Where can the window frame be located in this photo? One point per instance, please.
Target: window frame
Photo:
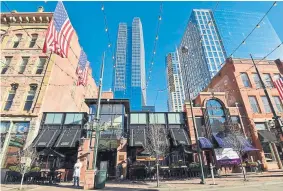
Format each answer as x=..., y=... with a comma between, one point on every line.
x=18, y=40
x=32, y=92
x=4, y=68
x=33, y=40
x=13, y=92
x=266, y=105
x=255, y=99
x=276, y=104
x=54, y=114
x=40, y=67
x=22, y=67
x=268, y=84
x=245, y=75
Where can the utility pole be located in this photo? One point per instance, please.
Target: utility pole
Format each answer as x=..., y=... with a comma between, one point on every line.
x=97, y=117
x=200, y=157
x=278, y=123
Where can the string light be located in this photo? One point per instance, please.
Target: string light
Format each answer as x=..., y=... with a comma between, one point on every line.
x=256, y=26
x=155, y=44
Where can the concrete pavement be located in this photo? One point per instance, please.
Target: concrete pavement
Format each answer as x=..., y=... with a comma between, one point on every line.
x=272, y=181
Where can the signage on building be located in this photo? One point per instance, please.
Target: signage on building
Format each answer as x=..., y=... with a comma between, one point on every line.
x=225, y=153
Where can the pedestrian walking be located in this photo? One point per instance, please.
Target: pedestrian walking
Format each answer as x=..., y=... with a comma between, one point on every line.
x=77, y=172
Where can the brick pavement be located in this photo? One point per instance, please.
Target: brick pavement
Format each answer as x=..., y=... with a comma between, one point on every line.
x=234, y=180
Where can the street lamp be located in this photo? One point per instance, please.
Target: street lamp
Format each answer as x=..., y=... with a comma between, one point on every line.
x=184, y=50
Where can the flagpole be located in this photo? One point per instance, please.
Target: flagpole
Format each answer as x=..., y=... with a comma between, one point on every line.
x=278, y=123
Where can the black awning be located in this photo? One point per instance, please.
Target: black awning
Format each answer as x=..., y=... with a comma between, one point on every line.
x=137, y=137
x=46, y=138
x=69, y=138
x=179, y=136
x=50, y=152
x=267, y=136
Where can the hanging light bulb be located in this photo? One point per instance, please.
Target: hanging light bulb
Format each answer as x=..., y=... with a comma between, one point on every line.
x=113, y=57
x=102, y=8
x=275, y=4
x=159, y=18
x=257, y=26
x=106, y=29
x=209, y=23
x=244, y=42
x=156, y=38
x=152, y=63
x=154, y=52
x=109, y=45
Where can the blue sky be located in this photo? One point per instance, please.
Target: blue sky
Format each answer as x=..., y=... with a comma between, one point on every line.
x=88, y=21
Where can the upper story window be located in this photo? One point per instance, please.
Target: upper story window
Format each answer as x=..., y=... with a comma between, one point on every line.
x=138, y=118
x=33, y=40
x=30, y=97
x=254, y=104
x=256, y=80
x=278, y=103
x=23, y=64
x=53, y=118
x=157, y=118
x=216, y=114
x=73, y=118
x=175, y=118
x=40, y=65
x=4, y=125
x=6, y=65
x=276, y=77
x=245, y=80
x=11, y=97
x=267, y=80
x=265, y=104
x=17, y=40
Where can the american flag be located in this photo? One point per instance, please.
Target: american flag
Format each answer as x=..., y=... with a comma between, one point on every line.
x=59, y=33
x=82, y=69
x=279, y=86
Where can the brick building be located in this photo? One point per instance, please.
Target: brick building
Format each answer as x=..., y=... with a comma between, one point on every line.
x=33, y=82
x=239, y=81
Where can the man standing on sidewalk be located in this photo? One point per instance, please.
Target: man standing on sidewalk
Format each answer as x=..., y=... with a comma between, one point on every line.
x=77, y=172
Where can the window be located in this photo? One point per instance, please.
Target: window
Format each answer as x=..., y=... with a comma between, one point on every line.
x=254, y=104
x=11, y=97
x=276, y=76
x=265, y=104
x=4, y=125
x=73, y=118
x=33, y=40
x=175, y=118
x=40, y=65
x=278, y=103
x=267, y=80
x=138, y=118
x=256, y=80
x=6, y=65
x=17, y=40
x=30, y=97
x=23, y=65
x=53, y=118
x=245, y=80
x=260, y=126
x=157, y=118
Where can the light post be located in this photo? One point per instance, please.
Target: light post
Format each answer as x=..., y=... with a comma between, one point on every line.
x=97, y=117
x=200, y=157
x=278, y=123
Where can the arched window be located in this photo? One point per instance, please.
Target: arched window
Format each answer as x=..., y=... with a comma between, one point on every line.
x=216, y=115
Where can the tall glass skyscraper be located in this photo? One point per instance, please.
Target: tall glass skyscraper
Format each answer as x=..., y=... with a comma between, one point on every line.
x=129, y=73
x=211, y=37
x=174, y=83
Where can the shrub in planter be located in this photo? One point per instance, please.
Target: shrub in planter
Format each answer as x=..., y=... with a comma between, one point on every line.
x=14, y=168
x=35, y=169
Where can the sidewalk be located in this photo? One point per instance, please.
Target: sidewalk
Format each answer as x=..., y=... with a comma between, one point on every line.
x=231, y=181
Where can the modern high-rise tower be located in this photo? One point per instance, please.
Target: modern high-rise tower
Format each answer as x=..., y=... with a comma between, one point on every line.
x=211, y=37
x=174, y=83
x=129, y=74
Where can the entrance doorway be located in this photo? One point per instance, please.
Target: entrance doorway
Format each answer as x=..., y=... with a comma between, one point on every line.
x=109, y=156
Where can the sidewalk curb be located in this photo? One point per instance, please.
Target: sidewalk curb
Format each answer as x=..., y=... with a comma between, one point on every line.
x=216, y=187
